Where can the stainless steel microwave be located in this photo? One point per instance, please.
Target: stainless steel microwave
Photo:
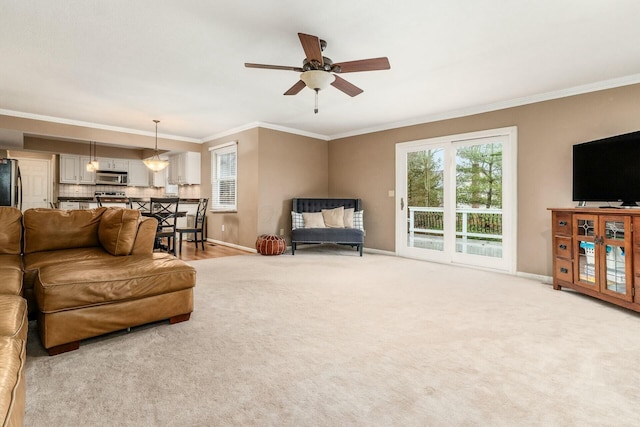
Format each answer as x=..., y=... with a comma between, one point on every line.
x=111, y=178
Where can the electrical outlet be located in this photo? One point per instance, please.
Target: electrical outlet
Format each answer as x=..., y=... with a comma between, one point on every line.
x=282, y=231
x=222, y=227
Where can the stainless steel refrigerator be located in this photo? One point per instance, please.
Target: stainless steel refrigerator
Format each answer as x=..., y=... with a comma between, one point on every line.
x=10, y=184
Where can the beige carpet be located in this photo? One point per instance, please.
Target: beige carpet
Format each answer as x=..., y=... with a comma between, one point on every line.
x=326, y=338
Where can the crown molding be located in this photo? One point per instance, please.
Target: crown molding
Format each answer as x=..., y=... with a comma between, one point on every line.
x=501, y=105
x=62, y=121
x=265, y=125
x=468, y=111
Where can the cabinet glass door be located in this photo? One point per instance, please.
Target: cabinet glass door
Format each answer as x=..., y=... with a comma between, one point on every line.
x=616, y=243
x=586, y=248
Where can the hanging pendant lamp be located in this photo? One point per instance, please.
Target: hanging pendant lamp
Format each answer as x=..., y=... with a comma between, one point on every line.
x=90, y=166
x=94, y=162
x=155, y=163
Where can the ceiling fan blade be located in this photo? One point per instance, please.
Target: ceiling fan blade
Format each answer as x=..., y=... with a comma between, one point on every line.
x=372, y=64
x=348, y=88
x=273, y=67
x=296, y=88
x=311, y=46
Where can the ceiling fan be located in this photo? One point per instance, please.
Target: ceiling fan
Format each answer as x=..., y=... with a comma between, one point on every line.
x=318, y=72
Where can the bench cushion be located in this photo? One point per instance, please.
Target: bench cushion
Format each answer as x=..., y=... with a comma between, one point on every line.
x=91, y=282
x=327, y=235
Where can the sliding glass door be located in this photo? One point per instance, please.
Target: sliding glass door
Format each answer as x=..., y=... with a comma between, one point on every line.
x=456, y=199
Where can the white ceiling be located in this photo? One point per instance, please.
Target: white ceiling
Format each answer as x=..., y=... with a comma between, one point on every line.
x=122, y=63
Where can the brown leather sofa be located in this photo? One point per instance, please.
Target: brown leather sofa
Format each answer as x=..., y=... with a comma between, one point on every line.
x=13, y=320
x=83, y=273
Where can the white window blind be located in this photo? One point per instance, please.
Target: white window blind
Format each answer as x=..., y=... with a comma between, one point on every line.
x=224, y=179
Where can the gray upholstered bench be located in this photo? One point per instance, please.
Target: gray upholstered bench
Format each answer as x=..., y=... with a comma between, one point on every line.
x=352, y=236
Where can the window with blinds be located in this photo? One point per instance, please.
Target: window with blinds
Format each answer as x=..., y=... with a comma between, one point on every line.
x=224, y=179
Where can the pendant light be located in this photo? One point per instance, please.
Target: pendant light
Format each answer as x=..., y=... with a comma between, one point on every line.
x=90, y=166
x=155, y=163
x=94, y=162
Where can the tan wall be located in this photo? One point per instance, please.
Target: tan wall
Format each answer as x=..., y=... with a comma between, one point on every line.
x=364, y=166
x=40, y=128
x=273, y=167
x=290, y=166
x=240, y=228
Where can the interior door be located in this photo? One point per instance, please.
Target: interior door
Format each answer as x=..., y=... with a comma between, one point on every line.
x=456, y=199
x=37, y=182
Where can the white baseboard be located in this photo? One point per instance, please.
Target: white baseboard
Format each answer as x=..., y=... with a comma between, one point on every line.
x=231, y=245
x=537, y=277
x=378, y=251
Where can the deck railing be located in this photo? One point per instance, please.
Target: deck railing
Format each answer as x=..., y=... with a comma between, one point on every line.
x=485, y=224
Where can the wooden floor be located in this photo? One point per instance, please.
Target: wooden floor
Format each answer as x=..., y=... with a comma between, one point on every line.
x=189, y=252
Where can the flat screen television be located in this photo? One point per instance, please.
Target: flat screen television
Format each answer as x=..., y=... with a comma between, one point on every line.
x=608, y=170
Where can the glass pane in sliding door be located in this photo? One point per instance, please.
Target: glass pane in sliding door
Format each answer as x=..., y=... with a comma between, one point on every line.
x=479, y=199
x=425, y=199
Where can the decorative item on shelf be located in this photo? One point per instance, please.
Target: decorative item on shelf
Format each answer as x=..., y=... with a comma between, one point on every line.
x=155, y=163
x=269, y=244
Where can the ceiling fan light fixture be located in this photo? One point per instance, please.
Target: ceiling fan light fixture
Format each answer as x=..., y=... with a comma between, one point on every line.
x=317, y=79
x=155, y=163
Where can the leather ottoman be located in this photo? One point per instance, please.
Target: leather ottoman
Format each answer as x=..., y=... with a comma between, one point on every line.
x=91, y=297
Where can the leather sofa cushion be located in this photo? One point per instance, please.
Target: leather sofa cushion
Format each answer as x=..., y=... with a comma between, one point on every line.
x=10, y=280
x=10, y=262
x=117, y=230
x=87, y=283
x=49, y=230
x=11, y=231
x=12, y=390
x=13, y=317
x=34, y=261
x=13, y=334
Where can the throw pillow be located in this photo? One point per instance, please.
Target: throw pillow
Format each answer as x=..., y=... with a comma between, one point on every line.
x=117, y=230
x=313, y=220
x=297, y=221
x=348, y=218
x=333, y=218
x=358, y=221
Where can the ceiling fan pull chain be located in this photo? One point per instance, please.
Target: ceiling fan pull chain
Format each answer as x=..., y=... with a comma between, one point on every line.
x=315, y=110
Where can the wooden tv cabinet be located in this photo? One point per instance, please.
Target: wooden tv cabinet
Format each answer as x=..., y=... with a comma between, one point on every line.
x=597, y=252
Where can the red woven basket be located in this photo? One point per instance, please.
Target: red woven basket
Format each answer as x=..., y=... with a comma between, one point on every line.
x=269, y=244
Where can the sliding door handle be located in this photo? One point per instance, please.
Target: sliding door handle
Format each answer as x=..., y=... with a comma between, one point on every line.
x=401, y=203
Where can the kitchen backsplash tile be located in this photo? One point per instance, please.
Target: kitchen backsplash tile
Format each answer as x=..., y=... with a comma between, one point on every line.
x=70, y=190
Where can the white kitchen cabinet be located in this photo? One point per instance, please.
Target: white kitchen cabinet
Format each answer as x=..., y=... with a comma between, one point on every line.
x=86, y=177
x=184, y=168
x=138, y=175
x=116, y=165
x=73, y=170
x=88, y=205
x=69, y=169
x=159, y=179
x=69, y=205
